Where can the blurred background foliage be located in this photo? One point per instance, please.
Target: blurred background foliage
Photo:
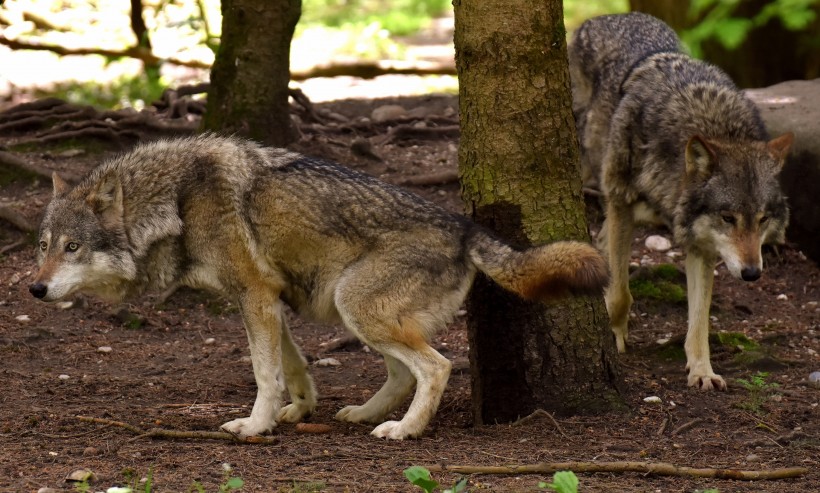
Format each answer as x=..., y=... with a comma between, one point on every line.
x=334, y=31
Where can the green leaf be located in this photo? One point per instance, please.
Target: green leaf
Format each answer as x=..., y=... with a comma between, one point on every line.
x=733, y=31
x=234, y=483
x=420, y=477
x=564, y=482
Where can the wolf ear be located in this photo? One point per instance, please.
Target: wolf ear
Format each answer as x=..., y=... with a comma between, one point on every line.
x=701, y=158
x=105, y=198
x=779, y=147
x=60, y=186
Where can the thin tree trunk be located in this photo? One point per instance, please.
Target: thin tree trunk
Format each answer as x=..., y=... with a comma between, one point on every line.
x=249, y=80
x=518, y=160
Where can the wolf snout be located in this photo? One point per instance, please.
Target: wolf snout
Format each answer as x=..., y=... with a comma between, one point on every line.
x=38, y=290
x=750, y=273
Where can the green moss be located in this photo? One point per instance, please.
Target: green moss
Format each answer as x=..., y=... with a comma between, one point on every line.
x=733, y=340
x=672, y=351
x=662, y=282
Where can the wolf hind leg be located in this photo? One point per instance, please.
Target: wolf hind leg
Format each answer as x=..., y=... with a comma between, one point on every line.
x=618, y=241
x=395, y=390
x=299, y=383
x=700, y=275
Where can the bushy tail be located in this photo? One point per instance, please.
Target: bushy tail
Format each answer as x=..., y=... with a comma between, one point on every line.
x=541, y=273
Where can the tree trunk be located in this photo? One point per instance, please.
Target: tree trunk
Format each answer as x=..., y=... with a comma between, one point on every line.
x=250, y=76
x=518, y=160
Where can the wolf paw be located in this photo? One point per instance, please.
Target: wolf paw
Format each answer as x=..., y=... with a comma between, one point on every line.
x=294, y=412
x=707, y=381
x=357, y=414
x=394, y=430
x=247, y=427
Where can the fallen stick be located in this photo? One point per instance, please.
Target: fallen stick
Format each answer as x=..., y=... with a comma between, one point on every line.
x=178, y=434
x=16, y=219
x=659, y=468
x=439, y=178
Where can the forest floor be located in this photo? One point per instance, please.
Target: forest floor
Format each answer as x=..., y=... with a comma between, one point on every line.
x=184, y=365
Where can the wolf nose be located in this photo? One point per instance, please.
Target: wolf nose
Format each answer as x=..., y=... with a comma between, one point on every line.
x=38, y=290
x=750, y=273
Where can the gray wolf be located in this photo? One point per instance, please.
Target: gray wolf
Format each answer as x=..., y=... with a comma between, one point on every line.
x=268, y=226
x=670, y=139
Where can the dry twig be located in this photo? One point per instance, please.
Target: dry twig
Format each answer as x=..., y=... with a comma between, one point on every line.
x=659, y=469
x=178, y=434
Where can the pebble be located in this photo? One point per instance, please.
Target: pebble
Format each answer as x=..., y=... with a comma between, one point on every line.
x=210, y=341
x=63, y=377
x=814, y=379
x=782, y=297
x=387, y=112
x=81, y=475
x=104, y=349
x=65, y=305
x=652, y=399
x=328, y=362
x=752, y=458
x=22, y=318
x=46, y=489
x=657, y=243
x=90, y=451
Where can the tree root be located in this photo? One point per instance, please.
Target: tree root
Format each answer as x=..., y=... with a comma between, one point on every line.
x=659, y=469
x=12, y=161
x=16, y=219
x=178, y=434
x=440, y=178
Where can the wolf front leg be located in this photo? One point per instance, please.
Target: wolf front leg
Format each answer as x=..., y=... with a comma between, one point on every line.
x=262, y=314
x=700, y=275
x=619, y=225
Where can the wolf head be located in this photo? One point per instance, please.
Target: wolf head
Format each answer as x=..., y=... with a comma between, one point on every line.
x=733, y=203
x=83, y=246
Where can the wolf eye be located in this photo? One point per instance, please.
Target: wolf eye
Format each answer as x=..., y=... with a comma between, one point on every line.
x=728, y=218
x=763, y=219
x=43, y=246
x=71, y=246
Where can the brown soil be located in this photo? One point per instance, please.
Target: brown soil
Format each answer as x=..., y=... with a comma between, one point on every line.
x=184, y=365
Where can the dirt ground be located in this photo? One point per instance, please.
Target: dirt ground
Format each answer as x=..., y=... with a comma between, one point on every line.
x=184, y=365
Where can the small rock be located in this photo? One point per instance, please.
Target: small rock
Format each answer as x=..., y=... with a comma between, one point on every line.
x=658, y=243
x=63, y=377
x=81, y=475
x=328, y=362
x=104, y=349
x=209, y=341
x=387, y=112
x=652, y=399
x=70, y=153
x=814, y=379
x=15, y=278
x=65, y=305
x=662, y=340
x=782, y=297
x=88, y=451
x=752, y=458
x=22, y=318
x=46, y=489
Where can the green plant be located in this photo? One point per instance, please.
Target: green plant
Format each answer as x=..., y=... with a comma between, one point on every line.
x=717, y=21
x=422, y=478
x=759, y=390
x=562, y=482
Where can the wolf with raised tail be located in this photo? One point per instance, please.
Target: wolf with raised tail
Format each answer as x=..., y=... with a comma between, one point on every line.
x=267, y=227
x=671, y=140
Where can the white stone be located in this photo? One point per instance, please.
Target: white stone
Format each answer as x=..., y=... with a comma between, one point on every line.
x=210, y=341
x=782, y=297
x=387, y=112
x=63, y=377
x=104, y=349
x=658, y=243
x=22, y=318
x=652, y=399
x=328, y=362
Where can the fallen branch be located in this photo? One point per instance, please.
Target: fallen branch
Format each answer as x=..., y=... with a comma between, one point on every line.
x=680, y=429
x=440, y=178
x=10, y=160
x=538, y=413
x=178, y=434
x=659, y=468
x=370, y=70
x=138, y=52
x=16, y=219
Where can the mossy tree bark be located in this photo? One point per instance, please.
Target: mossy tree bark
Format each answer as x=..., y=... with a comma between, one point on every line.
x=250, y=76
x=518, y=161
